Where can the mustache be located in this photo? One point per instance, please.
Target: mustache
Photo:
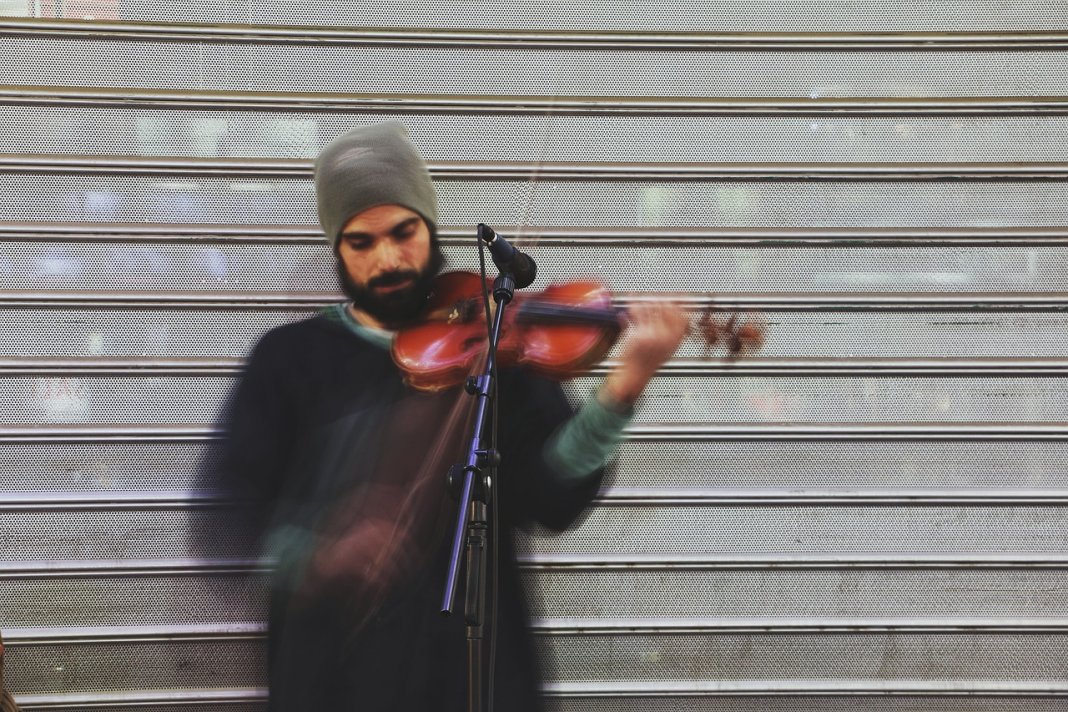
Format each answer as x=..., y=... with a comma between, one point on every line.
x=390, y=279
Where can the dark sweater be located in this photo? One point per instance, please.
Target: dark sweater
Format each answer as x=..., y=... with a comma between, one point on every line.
x=322, y=416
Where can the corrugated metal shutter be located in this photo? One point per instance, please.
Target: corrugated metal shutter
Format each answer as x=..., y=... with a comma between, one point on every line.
x=870, y=515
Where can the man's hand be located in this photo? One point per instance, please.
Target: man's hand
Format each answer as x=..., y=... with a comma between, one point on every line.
x=655, y=332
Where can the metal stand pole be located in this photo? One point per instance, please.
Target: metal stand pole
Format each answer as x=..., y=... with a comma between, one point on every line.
x=472, y=523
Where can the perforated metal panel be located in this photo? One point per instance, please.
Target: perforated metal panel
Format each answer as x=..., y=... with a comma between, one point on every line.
x=149, y=333
x=117, y=267
x=198, y=399
x=144, y=599
x=65, y=468
x=252, y=67
x=670, y=530
x=119, y=535
x=841, y=465
x=683, y=139
x=118, y=666
x=266, y=201
x=843, y=595
x=844, y=400
x=155, y=333
x=803, y=657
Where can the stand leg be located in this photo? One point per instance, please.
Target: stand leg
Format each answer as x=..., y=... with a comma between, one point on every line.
x=476, y=602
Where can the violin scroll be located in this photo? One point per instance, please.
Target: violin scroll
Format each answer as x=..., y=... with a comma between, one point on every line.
x=741, y=335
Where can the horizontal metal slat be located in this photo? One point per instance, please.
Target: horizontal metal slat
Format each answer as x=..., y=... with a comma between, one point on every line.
x=292, y=168
x=643, y=432
x=150, y=699
x=698, y=368
x=563, y=563
x=605, y=562
x=857, y=688
x=177, y=567
x=576, y=236
x=533, y=105
x=749, y=626
x=846, y=302
x=186, y=500
x=87, y=635
x=25, y=637
x=545, y=39
x=156, y=700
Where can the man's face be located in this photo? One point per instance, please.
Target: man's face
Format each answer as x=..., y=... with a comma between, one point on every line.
x=386, y=262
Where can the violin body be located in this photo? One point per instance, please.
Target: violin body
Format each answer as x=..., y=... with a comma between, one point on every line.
x=559, y=332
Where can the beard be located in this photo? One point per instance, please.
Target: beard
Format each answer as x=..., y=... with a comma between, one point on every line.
x=397, y=308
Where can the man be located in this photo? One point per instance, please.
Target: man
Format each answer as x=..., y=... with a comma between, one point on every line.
x=346, y=464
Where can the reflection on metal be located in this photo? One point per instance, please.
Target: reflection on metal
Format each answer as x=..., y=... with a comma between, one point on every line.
x=458, y=235
x=720, y=432
x=522, y=170
x=146, y=699
x=133, y=98
x=110, y=501
x=792, y=625
x=791, y=562
x=698, y=368
x=617, y=497
x=109, y=434
x=859, y=367
x=86, y=635
x=130, y=568
x=531, y=39
x=652, y=432
x=851, y=688
x=171, y=300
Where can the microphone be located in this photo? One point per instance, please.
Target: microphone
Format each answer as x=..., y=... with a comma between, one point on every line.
x=508, y=258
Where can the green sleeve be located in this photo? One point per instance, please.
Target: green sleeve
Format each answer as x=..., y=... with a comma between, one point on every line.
x=586, y=441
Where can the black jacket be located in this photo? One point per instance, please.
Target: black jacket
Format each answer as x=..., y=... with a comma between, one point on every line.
x=304, y=430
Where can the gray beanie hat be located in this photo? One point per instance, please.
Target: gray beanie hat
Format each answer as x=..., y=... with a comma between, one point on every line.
x=369, y=166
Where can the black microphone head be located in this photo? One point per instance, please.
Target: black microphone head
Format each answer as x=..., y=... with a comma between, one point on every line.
x=524, y=269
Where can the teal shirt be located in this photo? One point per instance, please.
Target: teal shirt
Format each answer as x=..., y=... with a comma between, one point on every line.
x=579, y=447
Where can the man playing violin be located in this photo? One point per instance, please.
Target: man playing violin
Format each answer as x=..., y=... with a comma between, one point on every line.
x=345, y=463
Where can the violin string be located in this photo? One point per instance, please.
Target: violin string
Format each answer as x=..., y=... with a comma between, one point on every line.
x=523, y=221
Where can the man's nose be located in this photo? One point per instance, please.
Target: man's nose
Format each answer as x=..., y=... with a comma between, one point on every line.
x=389, y=256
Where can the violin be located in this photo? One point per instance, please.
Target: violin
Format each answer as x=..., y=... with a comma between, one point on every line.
x=558, y=332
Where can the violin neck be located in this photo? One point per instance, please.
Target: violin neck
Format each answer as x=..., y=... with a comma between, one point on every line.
x=544, y=312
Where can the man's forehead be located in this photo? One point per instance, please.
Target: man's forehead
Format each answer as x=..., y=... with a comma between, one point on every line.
x=379, y=217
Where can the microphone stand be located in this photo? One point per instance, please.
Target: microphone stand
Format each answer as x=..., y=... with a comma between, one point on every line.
x=474, y=481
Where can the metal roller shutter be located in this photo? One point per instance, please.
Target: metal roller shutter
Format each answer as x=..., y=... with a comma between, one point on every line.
x=870, y=514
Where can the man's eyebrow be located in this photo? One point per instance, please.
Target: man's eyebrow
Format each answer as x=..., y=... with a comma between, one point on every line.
x=405, y=223
x=352, y=235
